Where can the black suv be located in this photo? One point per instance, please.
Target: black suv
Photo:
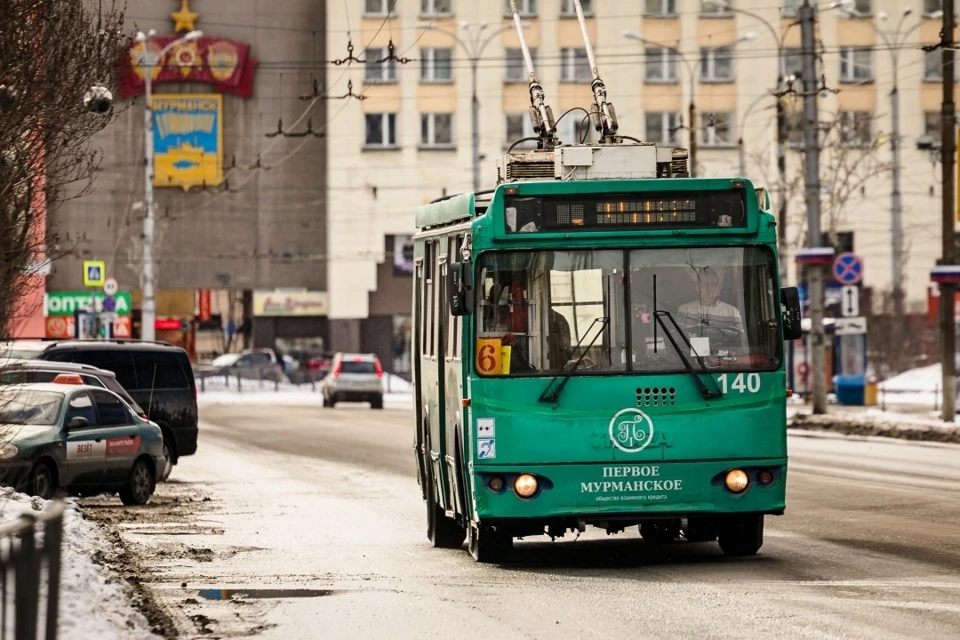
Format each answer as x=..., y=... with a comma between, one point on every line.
x=157, y=375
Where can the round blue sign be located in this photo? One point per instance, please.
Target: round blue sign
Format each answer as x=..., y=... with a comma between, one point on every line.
x=848, y=268
x=109, y=304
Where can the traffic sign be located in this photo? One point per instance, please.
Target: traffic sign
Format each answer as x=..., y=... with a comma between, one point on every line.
x=110, y=286
x=850, y=302
x=848, y=268
x=109, y=304
x=94, y=273
x=850, y=326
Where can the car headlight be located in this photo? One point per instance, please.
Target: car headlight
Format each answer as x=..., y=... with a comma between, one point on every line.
x=8, y=451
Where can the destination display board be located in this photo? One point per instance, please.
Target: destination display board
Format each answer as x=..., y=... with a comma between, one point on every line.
x=618, y=211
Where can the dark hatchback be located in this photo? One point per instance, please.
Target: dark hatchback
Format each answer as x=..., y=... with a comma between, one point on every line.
x=157, y=375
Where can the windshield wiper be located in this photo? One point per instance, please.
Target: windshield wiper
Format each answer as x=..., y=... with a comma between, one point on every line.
x=604, y=321
x=705, y=391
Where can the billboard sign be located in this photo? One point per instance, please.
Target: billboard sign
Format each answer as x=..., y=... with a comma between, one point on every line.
x=188, y=140
x=402, y=255
x=292, y=303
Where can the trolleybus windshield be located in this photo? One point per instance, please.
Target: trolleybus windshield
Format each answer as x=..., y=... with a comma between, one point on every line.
x=535, y=307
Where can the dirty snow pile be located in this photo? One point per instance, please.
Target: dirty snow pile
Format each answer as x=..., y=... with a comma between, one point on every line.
x=91, y=608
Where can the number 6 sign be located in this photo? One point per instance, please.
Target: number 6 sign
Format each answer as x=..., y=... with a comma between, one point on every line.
x=489, y=356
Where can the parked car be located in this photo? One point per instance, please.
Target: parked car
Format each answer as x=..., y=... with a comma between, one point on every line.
x=66, y=435
x=31, y=371
x=354, y=377
x=249, y=365
x=157, y=375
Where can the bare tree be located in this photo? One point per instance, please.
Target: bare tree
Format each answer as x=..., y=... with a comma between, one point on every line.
x=57, y=69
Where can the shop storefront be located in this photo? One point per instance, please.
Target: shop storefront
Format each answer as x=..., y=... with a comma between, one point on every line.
x=87, y=315
x=293, y=323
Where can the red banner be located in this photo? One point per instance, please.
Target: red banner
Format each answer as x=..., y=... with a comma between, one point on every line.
x=225, y=64
x=204, y=305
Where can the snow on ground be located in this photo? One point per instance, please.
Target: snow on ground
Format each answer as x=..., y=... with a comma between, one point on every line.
x=917, y=387
x=91, y=607
x=397, y=393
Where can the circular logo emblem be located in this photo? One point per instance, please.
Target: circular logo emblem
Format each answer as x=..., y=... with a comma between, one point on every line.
x=631, y=430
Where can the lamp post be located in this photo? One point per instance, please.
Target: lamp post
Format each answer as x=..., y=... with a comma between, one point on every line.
x=741, y=151
x=148, y=62
x=894, y=40
x=474, y=50
x=692, y=75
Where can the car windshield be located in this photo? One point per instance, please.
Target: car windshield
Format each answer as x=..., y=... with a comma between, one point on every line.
x=27, y=406
x=535, y=307
x=22, y=351
x=225, y=360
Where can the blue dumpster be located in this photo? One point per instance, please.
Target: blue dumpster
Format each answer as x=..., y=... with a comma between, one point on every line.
x=850, y=389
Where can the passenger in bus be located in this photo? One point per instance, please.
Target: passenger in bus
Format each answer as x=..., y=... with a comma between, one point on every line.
x=559, y=342
x=710, y=317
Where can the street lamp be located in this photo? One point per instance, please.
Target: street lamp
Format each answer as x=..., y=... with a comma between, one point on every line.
x=150, y=60
x=894, y=41
x=474, y=50
x=691, y=73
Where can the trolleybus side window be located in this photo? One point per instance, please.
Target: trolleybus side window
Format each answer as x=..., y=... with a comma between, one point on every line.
x=429, y=276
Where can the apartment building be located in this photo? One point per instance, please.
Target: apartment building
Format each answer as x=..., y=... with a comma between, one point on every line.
x=409, y=140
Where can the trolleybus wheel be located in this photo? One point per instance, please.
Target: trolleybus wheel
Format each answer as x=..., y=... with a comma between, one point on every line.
x=742, y=536
x=486, y=544
x=660, y=532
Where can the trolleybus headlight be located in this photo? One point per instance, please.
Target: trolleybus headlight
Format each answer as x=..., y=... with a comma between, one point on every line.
x=765, y=477
x=736, y=481
x=525, y=485
x=496, y=483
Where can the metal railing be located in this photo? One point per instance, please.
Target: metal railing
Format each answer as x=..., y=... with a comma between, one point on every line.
x=885, y=395
x=30, y=549
x=259, y=380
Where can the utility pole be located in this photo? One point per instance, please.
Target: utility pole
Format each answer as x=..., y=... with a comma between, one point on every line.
x=948, y=148
x=896, y=209
x=781, y=175
x=811, y=143
x=475, y=124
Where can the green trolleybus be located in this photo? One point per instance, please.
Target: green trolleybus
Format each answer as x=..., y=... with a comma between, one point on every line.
x=598, y=340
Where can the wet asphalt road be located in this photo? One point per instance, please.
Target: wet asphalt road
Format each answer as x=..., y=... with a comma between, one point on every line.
x=327, y=499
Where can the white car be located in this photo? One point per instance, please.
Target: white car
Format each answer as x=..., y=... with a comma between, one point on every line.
x=354, y=377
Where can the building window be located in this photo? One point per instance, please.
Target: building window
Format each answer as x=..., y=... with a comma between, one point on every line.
x=861, y=8
x=576, y=128
x=932, y=6
x=721, y=8
x=716, y=129
x=436, y=7
x=662, y=127
x=791, y=64
x=661, y=65
x=716, y=64
x=933, y=67
x=856, y=128
x=567, y=8
x=659, y=8
x=381, y=130
x=516, y=68
x=376, y=71
x=574, y=65
x=933, y=126
x=794, y=126
x=856, y=64
x=791, y=8
x=526, y=8
x=436, y=130
x=436, y=65
x=379, y=7
x=520, y=126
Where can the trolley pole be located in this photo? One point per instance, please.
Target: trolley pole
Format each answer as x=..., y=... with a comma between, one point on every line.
x=811, y=143
x=947, y=289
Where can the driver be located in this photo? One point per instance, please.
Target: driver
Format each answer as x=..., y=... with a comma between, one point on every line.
x=708, y=316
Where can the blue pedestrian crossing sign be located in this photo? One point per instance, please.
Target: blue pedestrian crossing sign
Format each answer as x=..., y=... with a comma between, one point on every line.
x=94, y=273
x=848, y=268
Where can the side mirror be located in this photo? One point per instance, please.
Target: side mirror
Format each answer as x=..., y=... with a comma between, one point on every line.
x=792, y=316
x=78, y=422
x=460, y=288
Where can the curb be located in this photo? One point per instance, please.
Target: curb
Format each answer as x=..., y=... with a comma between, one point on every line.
x=879, y=428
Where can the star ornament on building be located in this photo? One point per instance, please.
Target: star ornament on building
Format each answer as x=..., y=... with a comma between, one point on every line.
x=184, y=19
